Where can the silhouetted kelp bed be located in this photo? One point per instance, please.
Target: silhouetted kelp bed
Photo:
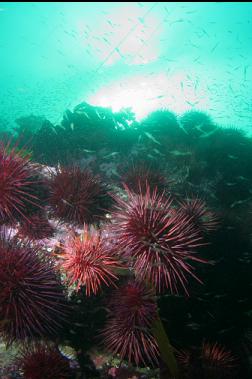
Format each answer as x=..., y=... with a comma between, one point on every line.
x=187, y=173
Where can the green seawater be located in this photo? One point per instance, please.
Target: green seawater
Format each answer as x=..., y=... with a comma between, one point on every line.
x=180, y=56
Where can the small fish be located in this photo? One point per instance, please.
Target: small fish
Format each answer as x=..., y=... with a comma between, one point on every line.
x=232, y=156
x=245, y=72
x=85, y=114
x=244, y=260
x=114, y=172
x=157, y=152
x=110, y=23
x=119, y=52
x=215, y=46
x=98, y=114
x=200, y=299
x=190, y=12
x=182, y=127
x=180, y=153
x=238, y=202
x=242, y=177
x=72, y=126
x=156, y=97
x=193, y=325
x=72, y=331
x=67, y=114
x=54, y=130
x=88, y=151
x=150, y=156
x=205, y=32
x=115, y=153
x=197, y=59
x=177, y=21
x=106, y=40
x=206, y=135
x=150, y=136
x=191, y=103
x=219, y=296
x=222, y=331
x=242, y=300
x=236, y=68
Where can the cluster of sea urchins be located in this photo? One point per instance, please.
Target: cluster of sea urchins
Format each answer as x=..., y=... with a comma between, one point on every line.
x=156, y=240
x=211, y=361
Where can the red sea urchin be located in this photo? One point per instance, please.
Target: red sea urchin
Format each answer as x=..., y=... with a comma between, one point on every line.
x=77, y=196
x=128, y=331
x=215, y=357
x=203, y=219
x=88, y=262
x=158, y=240
x=134, y=304
x=43, y=362
x=139, y=174
x=31, y=298
x=17, y=179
